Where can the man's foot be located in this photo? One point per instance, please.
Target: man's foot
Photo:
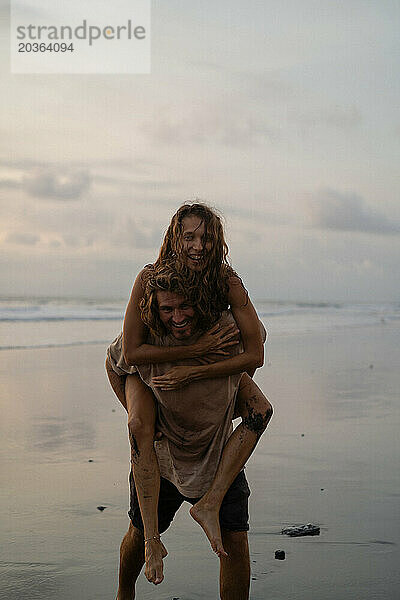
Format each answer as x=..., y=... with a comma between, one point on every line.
x=154, y=552
x=208, y=519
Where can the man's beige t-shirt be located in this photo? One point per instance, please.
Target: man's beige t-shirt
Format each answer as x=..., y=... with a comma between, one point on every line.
x=195, y=420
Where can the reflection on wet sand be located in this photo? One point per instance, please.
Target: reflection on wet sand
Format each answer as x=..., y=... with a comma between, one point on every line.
x=56, y=434
x=330, y=457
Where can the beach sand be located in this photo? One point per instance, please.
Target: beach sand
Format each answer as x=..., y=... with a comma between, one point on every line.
x=339, y=389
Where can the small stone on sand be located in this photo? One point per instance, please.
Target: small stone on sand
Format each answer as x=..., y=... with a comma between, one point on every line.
x=280, y=554
x=101, y=508
x=90, y=460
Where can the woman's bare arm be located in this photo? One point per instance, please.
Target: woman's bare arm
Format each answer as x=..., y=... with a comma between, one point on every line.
x=248, y=323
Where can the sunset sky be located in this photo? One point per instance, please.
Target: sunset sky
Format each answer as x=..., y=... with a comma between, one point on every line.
x=282, y=114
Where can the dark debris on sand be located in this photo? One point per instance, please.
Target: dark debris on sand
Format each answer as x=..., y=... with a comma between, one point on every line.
x=300, y=530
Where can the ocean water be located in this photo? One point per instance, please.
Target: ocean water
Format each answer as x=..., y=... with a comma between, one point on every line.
x=47, y=322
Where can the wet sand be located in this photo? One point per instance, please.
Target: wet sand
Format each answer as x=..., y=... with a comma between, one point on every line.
x=339, y=389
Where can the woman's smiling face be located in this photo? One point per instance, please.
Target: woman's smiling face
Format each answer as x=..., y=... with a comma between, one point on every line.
x=196, y=243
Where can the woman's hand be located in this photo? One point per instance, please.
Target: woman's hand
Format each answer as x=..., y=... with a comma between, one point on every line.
x=216, y=340
x=175, y=378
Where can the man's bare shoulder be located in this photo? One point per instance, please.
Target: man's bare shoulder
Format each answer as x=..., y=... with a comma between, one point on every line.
x=226, y=318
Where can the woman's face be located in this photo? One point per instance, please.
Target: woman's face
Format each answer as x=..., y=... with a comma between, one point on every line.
x=196, y=248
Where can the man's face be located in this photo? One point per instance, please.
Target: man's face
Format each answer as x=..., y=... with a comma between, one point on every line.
x=177, y=314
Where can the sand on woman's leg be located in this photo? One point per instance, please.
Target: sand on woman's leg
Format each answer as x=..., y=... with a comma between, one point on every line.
x=256, y=412
x=146, y=472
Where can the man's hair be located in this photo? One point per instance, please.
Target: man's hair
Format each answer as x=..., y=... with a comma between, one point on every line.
x=166, y=278
x=209, y=286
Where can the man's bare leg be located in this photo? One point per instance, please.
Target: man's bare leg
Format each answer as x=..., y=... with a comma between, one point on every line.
x=256, y=412
x=234, y=578
x=130, y=563
x=146, y=472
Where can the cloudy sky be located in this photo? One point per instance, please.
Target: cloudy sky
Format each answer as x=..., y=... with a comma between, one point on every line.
x=284, y=114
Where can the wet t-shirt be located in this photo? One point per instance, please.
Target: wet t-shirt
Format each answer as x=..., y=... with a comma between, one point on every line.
x=195, y=420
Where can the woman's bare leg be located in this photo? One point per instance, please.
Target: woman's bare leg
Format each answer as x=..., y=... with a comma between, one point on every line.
x=117, y=383
x=138, y=401
x=256, y=412
x=146, y=473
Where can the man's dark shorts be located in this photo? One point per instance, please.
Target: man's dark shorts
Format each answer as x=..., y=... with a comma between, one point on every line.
x=233, y=516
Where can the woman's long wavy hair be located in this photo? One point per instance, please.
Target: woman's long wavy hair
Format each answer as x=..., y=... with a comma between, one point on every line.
x=208, y=287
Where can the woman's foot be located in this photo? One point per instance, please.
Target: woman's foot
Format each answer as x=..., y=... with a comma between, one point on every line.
x=208, y=518
x=154, y=553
